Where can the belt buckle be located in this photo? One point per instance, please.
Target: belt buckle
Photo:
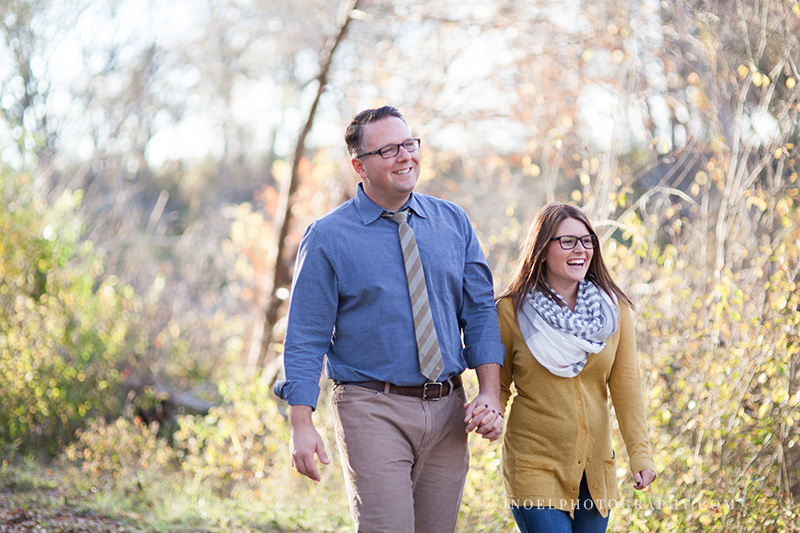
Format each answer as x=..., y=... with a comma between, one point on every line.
x=437, y=394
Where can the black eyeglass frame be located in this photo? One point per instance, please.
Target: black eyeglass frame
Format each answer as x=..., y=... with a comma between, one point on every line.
x=592, y=241
x=379, y=151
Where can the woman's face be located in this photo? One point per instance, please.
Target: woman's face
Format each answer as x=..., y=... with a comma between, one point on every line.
x=565, y=268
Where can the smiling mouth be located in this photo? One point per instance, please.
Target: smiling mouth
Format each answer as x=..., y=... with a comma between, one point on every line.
x=403, y=171
x=576, y=262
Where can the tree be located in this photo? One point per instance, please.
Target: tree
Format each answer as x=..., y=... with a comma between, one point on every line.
x=282, y=276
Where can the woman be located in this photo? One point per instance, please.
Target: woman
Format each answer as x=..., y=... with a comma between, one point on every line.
x=568, y=332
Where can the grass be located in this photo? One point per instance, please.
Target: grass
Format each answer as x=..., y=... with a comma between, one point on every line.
x=130, y=484
x=60, y=497
x=133, y=482
x=32, y=498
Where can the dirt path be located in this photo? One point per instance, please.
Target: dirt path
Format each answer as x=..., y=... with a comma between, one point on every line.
x=45, y=511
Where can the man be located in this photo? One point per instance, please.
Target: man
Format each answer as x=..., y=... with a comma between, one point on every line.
x=400, y=413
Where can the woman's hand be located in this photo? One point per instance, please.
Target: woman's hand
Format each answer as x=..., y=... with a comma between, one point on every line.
x=643, y=478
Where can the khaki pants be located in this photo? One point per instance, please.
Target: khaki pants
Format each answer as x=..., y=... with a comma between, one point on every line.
x=405, y=459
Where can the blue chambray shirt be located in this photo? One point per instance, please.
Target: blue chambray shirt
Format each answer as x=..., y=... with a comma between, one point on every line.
x=350, y=298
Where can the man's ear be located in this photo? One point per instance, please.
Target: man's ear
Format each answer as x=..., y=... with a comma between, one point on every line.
x=358, y=166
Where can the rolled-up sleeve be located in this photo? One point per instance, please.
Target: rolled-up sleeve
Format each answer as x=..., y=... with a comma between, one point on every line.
x=478, y=314
x=312, y=315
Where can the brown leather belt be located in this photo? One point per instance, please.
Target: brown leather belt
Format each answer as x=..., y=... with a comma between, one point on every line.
x=435, y=390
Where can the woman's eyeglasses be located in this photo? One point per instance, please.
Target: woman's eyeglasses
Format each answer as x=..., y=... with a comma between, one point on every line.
x=568, y=242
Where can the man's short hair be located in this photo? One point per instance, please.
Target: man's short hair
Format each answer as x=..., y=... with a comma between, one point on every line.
x=354, y=137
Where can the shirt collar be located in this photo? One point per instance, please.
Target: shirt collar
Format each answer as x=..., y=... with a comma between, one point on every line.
x=370, y=211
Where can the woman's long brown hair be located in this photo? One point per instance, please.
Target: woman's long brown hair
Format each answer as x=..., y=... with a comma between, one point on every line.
x=530, y=270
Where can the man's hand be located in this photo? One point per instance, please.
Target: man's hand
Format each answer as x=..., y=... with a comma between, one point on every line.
x=305, y=442
x=483, y=416
x=483, y=412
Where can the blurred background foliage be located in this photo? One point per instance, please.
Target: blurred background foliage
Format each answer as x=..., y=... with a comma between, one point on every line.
x=160, y=160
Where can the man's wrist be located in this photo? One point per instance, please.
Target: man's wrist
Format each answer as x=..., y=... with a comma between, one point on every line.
x=300, y=416
x=489, y=379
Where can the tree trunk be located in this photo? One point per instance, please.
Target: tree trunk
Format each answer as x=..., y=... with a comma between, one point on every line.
x=260, y=354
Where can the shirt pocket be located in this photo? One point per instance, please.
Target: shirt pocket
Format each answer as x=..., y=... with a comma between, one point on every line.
x=443, y=261
x=534, y=476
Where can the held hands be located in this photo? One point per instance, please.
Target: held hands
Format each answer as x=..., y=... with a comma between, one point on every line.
x=484, y=417
x=643, y=478
x=483, y=412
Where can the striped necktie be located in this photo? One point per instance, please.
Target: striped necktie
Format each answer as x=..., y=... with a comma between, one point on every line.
x=430, y=356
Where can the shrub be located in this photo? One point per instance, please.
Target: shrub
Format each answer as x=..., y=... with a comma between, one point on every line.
x=720, y=357
x=121, y=453
x=235, y=442
x=59, y=337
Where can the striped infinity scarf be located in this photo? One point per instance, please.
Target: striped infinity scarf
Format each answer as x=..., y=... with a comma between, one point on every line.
x=560, y=339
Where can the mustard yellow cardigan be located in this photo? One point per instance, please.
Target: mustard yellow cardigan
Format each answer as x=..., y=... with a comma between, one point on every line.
x=558, y=428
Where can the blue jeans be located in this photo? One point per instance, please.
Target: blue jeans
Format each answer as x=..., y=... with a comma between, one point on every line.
x=549, y=520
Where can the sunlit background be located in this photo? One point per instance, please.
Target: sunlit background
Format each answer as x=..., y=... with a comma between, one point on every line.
x=159, y=161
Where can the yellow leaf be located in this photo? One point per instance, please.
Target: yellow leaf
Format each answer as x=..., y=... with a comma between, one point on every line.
x=779, y=396
x=532, y=169
x=760, y=203
x=743, y=71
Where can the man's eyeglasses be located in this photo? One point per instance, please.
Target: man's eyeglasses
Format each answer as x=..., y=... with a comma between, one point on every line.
x=568, y=242
x=391, y=150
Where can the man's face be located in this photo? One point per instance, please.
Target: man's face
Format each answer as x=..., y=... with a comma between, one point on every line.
x=387, y=182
